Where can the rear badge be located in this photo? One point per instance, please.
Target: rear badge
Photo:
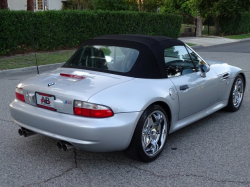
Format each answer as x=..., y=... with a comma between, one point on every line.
x=51, y=84
x=68, y=102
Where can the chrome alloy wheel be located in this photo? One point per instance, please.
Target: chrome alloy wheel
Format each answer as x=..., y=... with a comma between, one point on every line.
x=154, y=133
x=238, y=92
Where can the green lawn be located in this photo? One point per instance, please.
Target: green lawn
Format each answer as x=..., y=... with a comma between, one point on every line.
x=189, y=44
x=26, y=60
x=241, y=36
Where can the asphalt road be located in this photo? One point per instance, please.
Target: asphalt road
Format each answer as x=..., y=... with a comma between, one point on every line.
x=212, y=152
x=236, y=47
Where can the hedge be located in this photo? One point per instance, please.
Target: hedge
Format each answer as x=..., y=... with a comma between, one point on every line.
x=49, y=30
x=237, y=25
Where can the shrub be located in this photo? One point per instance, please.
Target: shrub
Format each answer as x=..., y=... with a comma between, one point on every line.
x=237, y=25
x=47, y=30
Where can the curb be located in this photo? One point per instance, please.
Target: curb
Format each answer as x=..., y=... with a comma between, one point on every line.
x=31, y=69
x=196, y=46
x=245, y=39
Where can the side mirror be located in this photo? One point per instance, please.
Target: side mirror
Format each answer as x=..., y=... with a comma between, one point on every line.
x=204, y=69
x=109, y=59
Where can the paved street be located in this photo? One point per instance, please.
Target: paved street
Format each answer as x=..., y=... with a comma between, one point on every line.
x=235, y=47
x=208, y=41
x=211, y=152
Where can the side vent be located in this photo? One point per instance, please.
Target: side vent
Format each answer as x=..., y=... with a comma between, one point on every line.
x=225, y=76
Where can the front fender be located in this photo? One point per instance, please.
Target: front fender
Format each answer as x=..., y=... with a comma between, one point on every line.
x=226, y=83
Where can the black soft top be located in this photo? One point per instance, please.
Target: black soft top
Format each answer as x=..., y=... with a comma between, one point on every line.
x=143, y=39
x=150, y=62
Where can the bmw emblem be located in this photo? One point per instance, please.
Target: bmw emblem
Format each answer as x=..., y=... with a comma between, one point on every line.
x=51, y=84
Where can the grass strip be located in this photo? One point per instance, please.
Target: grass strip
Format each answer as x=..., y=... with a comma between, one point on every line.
x=190, y=44
x=26, y=60
x=241, y=36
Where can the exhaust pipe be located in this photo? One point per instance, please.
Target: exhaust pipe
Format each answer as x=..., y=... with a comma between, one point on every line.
x=20, y=132
x=59, y=145
x=64, y=145
x=25, y=132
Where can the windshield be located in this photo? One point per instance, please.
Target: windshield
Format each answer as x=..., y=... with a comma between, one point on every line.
x=112, y=58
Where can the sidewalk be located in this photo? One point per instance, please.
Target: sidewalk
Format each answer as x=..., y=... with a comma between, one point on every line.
x=208, y=41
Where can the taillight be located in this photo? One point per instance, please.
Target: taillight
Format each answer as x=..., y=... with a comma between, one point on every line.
x=86, y=109
x=19, y=94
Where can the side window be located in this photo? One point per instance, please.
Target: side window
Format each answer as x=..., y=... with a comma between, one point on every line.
x=196, y=59
x=178, y=61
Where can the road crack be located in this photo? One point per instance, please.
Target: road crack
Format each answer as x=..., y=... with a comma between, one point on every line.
x=137, y=168
x=57, y=176
x=172, y=175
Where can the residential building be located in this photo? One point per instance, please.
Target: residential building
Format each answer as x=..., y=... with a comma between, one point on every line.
x=39, y=5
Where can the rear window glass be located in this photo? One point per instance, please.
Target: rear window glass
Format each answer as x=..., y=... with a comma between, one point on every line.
x=112, y=58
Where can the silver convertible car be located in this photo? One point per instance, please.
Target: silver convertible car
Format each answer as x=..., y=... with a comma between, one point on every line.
x=125, y=92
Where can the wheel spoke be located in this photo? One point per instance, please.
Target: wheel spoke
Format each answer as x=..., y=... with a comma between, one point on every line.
x=237, y=92
x=154, y=133
x=235, y=87
x=154, y=147
x=151, y=123
x=145, y=131
x=147, y=142
x=239, y=82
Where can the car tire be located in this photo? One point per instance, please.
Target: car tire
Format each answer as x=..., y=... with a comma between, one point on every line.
x=236, y=95
x=150, y=135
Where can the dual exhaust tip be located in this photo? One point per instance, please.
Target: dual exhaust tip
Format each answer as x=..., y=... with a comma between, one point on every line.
x=60, y=145
x=25, y=132
x=64, y=145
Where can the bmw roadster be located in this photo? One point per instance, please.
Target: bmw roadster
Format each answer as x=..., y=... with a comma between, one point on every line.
x=125, y=92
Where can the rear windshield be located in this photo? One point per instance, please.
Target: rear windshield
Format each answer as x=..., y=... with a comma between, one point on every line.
x=112, y=58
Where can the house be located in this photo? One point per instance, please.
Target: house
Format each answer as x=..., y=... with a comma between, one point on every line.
x=39, y=5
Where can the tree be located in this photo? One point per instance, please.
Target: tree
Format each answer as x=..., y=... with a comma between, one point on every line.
x=178, y=6
x=209, y=8
x=151, y=5
x=147, y=5
x=78, y=4
x=112, y=5
x=3, y=4
x=30, y=5
x=220, y=8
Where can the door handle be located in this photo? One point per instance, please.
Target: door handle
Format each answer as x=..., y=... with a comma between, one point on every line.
x=184, y=87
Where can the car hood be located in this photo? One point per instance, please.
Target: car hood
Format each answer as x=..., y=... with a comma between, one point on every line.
x=66, y=88
x=212, y=62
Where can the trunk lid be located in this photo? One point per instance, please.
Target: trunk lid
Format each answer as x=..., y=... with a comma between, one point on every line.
x=64, y=85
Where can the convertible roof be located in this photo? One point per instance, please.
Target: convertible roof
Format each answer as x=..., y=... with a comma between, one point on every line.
x=143, y=39
x=150, y=62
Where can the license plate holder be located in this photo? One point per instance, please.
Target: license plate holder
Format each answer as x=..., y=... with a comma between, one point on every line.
x=46, y=101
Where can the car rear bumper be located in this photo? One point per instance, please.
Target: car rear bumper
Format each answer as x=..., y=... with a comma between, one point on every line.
x=90, y=134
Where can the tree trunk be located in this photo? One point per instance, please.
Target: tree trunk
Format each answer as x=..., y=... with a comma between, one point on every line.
x=216, y=26
x=3, y=4
x=78, y=4
x=30, y=5
x=140, y=5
